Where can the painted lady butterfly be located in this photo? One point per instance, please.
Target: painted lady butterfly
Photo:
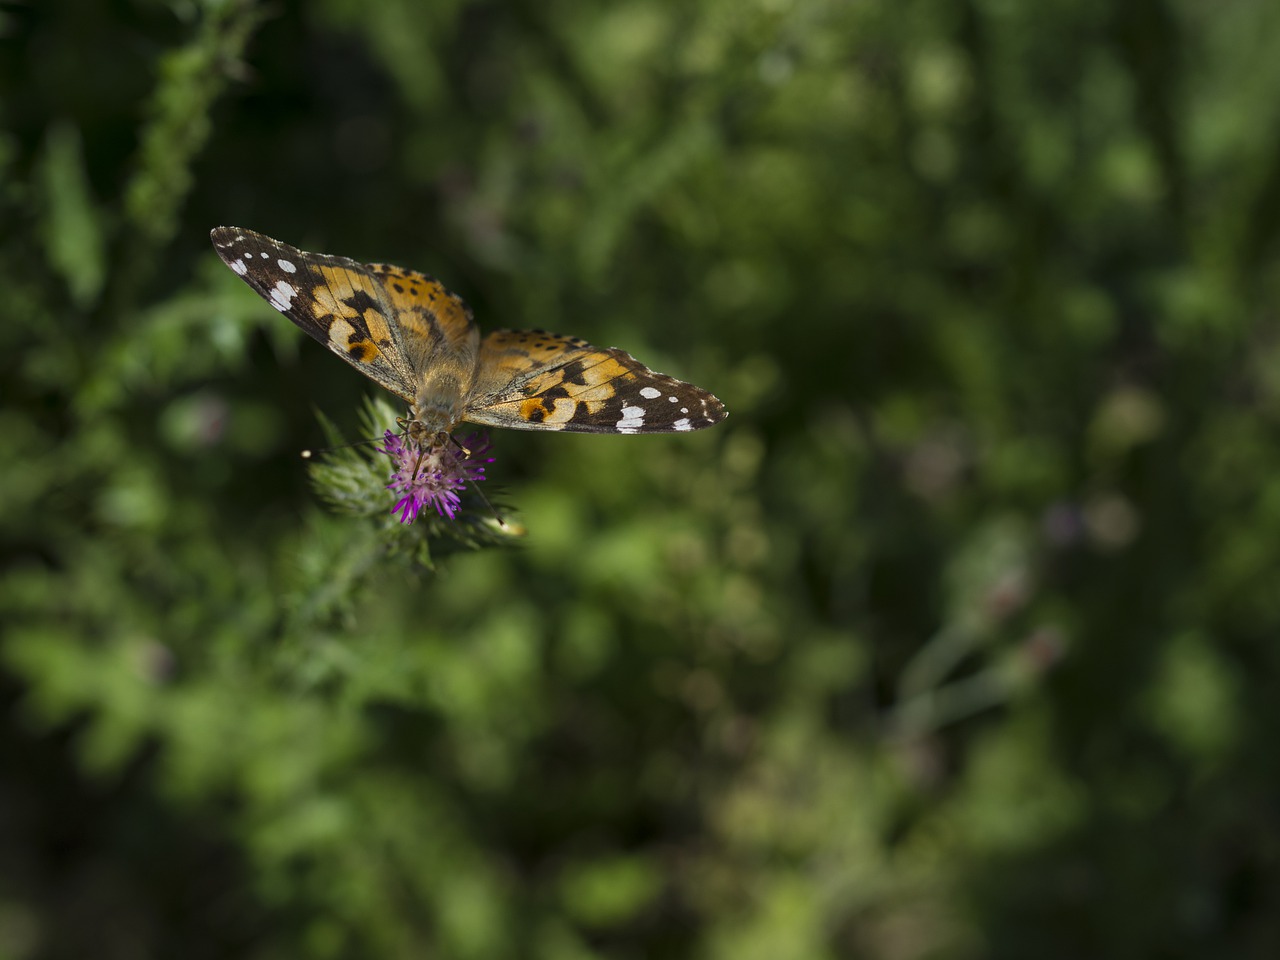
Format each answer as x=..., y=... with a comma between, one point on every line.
x=406, y=332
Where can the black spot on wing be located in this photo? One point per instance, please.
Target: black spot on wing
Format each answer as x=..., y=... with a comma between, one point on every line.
x=573, y=372
x=360, y=301
x=552, y=394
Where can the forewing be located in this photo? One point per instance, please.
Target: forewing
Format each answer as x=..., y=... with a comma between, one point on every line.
x=533, y=380
x=349, y=307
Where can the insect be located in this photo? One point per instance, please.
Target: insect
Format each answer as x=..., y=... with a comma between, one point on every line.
x=407, y=333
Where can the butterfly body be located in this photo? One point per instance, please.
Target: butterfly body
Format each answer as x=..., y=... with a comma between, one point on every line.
x=409, y=334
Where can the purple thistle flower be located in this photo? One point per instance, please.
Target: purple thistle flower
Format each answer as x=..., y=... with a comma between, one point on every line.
x=433, y=473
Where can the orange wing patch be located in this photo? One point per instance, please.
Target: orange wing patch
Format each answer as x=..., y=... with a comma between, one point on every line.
x=520, y=351
x=416, y=298
x=336, y=290
x=534, y=380
x=348, y=301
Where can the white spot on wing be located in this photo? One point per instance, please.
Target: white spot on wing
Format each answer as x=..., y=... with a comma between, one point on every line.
x=632, y=419
x=684, y=409
x=674, y=399
x=683, y=424
x=239, y=267
x=287, y=267
x=649, y=393
x=282, y=295
x=263, y=255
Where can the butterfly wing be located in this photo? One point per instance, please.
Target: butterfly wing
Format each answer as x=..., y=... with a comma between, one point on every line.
x=533, y=380
x=389, y=323
x=409, y=334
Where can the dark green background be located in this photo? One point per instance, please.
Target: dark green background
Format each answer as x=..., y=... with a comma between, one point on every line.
x=959, y=639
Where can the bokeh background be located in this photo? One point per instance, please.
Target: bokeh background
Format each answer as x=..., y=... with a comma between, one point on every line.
x=959, y=639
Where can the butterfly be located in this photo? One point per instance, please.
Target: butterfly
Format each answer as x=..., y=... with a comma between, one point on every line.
x=406, y=332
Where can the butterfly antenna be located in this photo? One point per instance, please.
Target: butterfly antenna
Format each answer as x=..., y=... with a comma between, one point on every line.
x=466, y=452
x=308, y=453
x=496, y=515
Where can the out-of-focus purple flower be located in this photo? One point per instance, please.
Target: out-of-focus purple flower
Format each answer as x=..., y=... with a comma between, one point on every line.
x=432, y=474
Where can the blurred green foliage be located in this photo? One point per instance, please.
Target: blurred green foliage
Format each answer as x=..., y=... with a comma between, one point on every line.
x=957, y=640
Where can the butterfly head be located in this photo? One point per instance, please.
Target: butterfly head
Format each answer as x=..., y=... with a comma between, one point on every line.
x=426, y=432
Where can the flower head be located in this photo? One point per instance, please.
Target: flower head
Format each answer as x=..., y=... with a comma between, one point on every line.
x=433, y=473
